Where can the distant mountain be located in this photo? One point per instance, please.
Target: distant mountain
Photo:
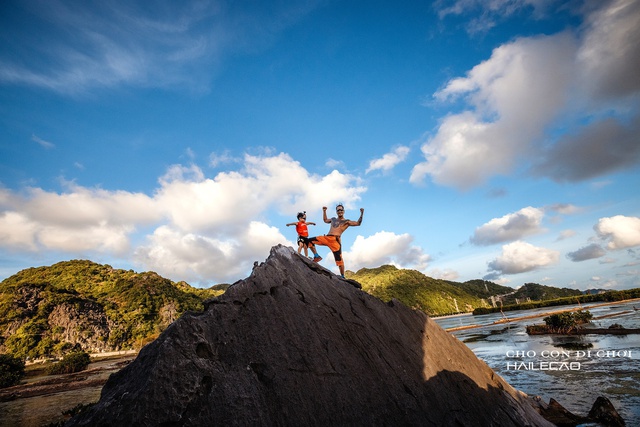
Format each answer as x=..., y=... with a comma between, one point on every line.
x=483, y=288
x=83, y=305
x=416, y=290
x=537, y=292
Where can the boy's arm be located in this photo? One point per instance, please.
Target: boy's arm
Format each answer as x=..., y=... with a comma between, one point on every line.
x=311, y=223
x=291, y=223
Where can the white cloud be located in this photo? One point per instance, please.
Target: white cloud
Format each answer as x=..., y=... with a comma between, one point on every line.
x=621, y=231
x=17, y=232
x=446, y=274
x=566, y=234
x=42, y=142
x=520, y=257
x=512, y=97
x=389, y=160
x=513, y=105
x=385, y=247
x=78, y=221
x=200, y=228
x=206, y=260
x=510, y=227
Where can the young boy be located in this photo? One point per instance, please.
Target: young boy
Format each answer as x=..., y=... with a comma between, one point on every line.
x=303, y=234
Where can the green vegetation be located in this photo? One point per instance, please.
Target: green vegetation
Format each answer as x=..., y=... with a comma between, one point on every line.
x=70, y=363
x=11, y=370
x=440, y=297
x=433, y=296
x=536, y=292
x=49, y=311
x=609, y=296
x=482, y=288
x=562, y=323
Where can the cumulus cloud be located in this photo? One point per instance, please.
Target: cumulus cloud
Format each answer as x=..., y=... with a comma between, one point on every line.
x=621, y=232
x=514, y=104
x=198, y=228
x=512, y=97
x=510, y=227
x=203, y=259
x=78, y=221
x=591, y=251
x=389, y=160
x=520, y=257
x=385, y=247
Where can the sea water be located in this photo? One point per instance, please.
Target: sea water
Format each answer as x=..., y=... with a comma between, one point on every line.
x=572, y=369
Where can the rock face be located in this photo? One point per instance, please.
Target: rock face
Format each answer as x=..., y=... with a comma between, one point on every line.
x=294, y=344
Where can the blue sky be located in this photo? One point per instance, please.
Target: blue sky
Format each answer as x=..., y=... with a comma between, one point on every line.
x=495, y=140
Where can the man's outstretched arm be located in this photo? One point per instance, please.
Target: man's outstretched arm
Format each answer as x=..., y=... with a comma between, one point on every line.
x=359, y=221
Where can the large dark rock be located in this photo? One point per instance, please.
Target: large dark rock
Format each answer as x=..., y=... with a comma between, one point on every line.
x=294, y=344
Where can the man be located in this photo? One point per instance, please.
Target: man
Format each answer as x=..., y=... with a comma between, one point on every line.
x=332, y=240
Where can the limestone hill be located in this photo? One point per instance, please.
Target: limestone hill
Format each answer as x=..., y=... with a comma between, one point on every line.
x=84, y=305
x=294, y=344
x=416, y=290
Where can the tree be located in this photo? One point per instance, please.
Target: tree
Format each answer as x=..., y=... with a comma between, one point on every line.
x=11, y=370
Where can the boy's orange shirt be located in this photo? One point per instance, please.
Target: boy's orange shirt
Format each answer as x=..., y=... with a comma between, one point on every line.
x=301, y=229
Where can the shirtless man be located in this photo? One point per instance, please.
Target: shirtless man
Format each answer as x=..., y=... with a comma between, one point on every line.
x=332, y=239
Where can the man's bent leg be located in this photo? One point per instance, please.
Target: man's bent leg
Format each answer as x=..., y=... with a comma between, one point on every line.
x=310, y=241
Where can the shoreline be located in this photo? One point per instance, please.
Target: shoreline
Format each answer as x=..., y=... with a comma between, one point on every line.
x=534, y=316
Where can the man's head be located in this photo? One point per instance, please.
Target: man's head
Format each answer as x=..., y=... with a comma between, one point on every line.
x=340, y=209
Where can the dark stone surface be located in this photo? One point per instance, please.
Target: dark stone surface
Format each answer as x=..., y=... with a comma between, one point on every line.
x=294, y=344
x=603, y=412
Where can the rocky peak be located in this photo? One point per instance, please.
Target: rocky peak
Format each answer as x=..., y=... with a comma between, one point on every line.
x=294, y=344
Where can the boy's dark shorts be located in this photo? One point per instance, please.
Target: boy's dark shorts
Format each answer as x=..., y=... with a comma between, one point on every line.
x=303, y=240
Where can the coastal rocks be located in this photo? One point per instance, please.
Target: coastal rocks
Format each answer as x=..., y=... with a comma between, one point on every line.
x=294, y=344
x=602, y=413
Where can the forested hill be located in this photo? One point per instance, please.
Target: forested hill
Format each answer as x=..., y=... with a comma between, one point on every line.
x=416, y=290
x=83, y=305
x=483, y=288
x=538, y=292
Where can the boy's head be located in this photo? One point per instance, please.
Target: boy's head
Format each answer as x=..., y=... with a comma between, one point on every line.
x=302, y=215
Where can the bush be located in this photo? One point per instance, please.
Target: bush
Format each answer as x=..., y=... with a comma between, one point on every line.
x=72, y=362
x=567, y=321
x=11, y=370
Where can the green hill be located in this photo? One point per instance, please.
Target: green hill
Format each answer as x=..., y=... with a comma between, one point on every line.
x=483, y=288
x=433, y=296
x=537, y=292
x=79, y=304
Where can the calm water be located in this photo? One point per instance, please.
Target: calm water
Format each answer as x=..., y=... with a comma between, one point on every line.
x=574, y=370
